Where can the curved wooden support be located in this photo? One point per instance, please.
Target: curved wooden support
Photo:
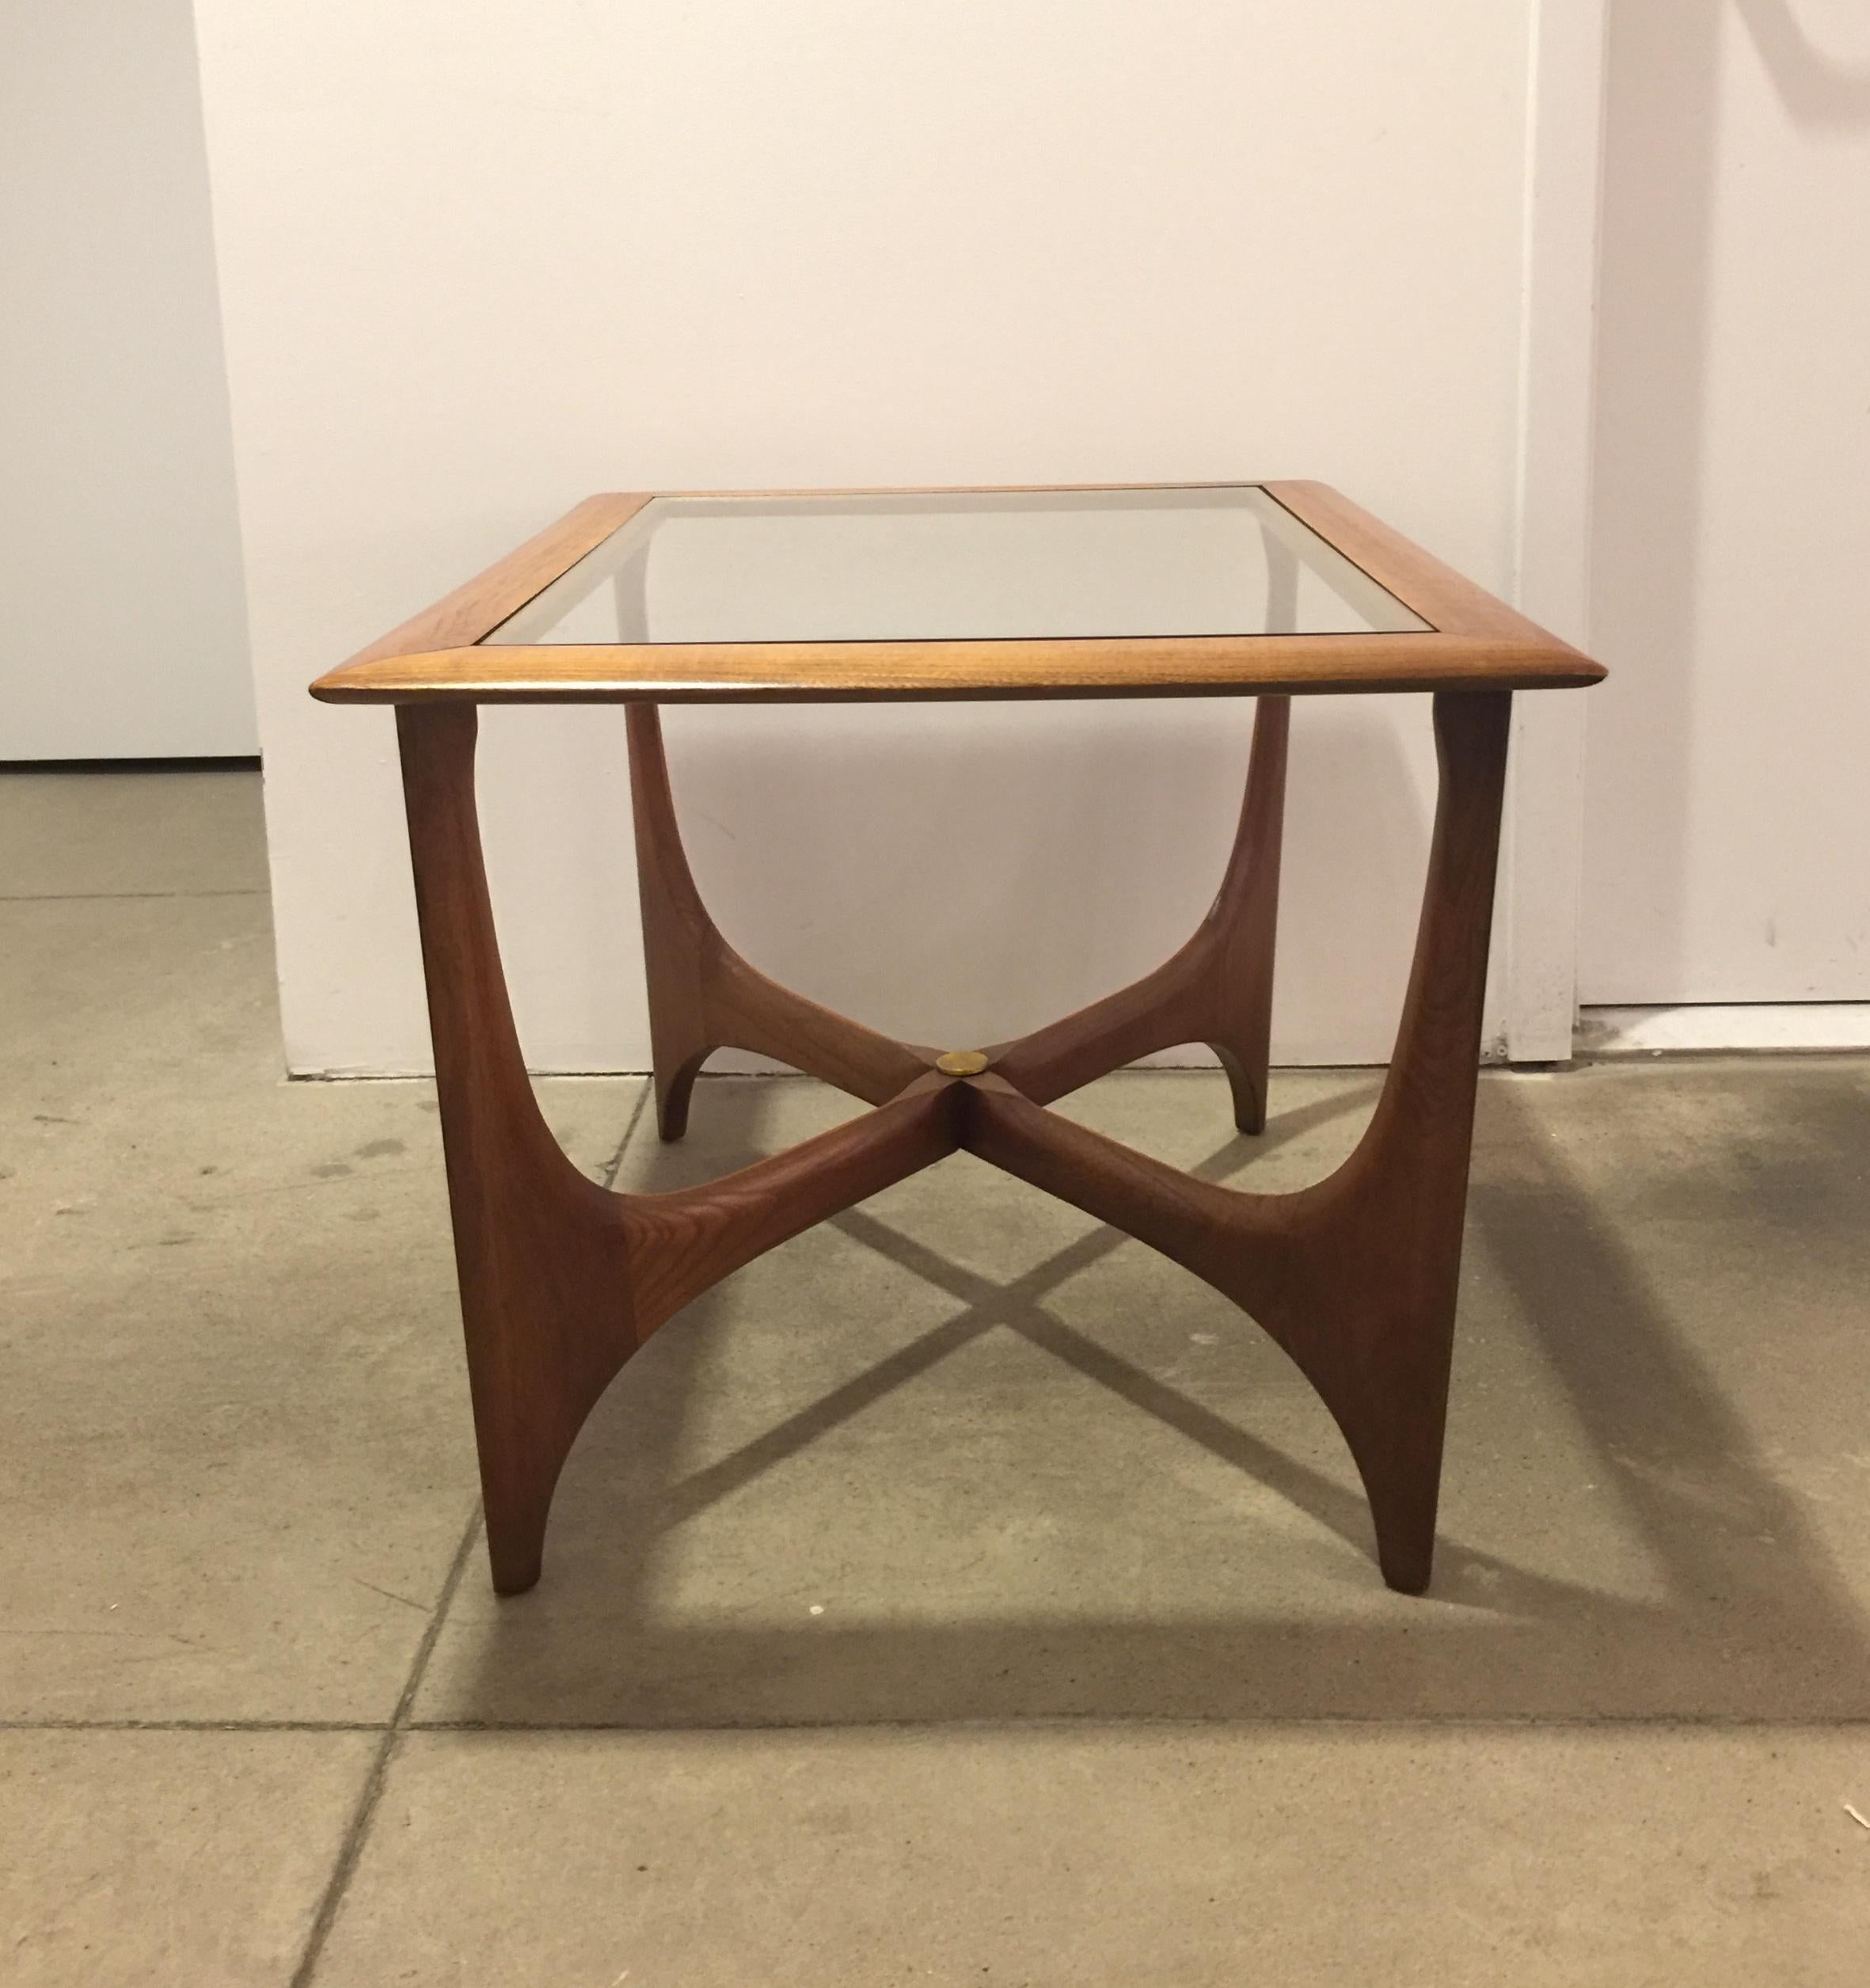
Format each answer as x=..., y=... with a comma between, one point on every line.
x=1356, y=1277
x=1386, y=1261
x=1217, y=989
x=542, y=1257
x=561, y=1280
x=703, y=996
x=1231, y=1239
x=680, y=1243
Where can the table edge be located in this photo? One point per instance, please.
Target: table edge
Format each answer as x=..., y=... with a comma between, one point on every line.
x=1216, y=666
x=1475, y=641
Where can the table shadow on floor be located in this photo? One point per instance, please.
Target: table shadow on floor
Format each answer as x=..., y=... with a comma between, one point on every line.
x=1743, y=1614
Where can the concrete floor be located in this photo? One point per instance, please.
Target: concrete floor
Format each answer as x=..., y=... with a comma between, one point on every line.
x=960, y=1594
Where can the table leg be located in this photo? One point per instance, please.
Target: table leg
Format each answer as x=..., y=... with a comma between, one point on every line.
x=1246, y=920
x=561, y=1280
x=1375, y=1271
x=1356, y=1277
x=542, y=1260
x=1217, y=989
x=703, y=996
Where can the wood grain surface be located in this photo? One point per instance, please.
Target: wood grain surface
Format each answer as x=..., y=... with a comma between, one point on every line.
x=1474, y=641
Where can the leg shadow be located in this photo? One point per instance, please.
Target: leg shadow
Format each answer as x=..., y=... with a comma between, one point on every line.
x=1614, y=1543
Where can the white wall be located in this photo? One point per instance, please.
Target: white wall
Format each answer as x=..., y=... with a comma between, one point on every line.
x=480, y=257
x=122, y=632
x=1727, y=843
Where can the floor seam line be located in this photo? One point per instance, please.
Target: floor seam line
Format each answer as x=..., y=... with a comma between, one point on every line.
x=623, y=1145
x=351, y=1847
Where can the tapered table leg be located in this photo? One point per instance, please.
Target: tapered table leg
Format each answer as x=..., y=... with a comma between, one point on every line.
x=1244, y=921
x=1217, y=989
x=703, y=996
x=1377, y=1271
x=560, y=1279
x=1357, y=1277
x=542, y=1257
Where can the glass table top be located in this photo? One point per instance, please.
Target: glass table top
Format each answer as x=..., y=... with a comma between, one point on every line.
x=919, y=567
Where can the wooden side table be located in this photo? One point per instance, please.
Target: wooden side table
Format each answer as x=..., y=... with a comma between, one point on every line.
x=1266, y=590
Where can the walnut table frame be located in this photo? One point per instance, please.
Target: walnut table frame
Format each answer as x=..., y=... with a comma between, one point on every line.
x=1356, y=1277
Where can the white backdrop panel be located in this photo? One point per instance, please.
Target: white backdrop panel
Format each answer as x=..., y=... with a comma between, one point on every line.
x=480, y=258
